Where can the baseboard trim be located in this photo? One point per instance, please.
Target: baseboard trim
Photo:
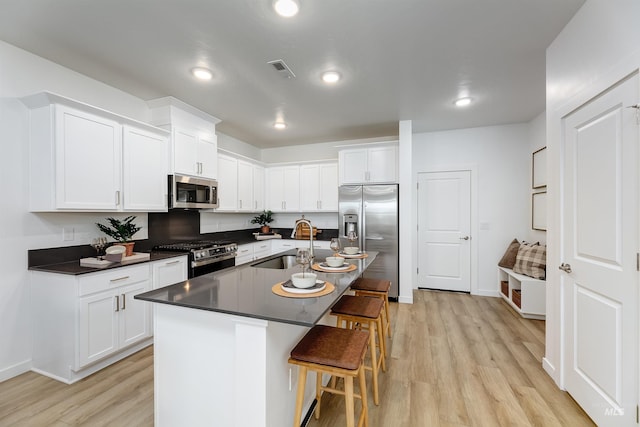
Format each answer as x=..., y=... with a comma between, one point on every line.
x=551, y=370
x=405, y=300
x=15, y=370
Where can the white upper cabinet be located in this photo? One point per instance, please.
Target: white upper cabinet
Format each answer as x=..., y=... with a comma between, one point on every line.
x=258, y=188
x=283, y=188
x=227, y=183
x=319, y=187
x=240, y=185
x=144, y=170
x=82, y=158
x=194, y=154
x=194, y=145
x=245, y=186
x=375, y=165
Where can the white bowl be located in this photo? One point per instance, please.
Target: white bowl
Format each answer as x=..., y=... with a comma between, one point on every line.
x=307, y=281
x=334, y=261
x=351, y=250
x=115, y=249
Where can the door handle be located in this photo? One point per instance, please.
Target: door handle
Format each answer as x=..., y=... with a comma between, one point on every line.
x=565, y=267
x=465, y=238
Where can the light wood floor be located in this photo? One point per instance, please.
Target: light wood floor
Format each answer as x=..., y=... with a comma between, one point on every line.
x=456, y=360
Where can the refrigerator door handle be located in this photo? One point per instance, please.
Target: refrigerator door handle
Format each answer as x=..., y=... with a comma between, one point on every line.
x=374, y=238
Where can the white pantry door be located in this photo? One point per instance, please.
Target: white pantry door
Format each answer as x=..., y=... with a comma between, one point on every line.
x=444, y=225
x=599, y=244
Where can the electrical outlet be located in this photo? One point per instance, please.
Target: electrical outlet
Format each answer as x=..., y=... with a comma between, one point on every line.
x=67, y=234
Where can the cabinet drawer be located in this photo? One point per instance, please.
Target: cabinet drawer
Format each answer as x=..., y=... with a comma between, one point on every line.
x=115, y=278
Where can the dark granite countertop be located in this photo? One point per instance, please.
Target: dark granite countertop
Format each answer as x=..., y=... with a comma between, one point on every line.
x=246, y=291
x=74, y=267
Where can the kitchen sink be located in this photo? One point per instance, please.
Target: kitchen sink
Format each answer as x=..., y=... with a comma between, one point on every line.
x=282, y=262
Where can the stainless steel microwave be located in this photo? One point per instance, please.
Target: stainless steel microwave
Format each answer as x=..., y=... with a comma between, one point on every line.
x=188, y=192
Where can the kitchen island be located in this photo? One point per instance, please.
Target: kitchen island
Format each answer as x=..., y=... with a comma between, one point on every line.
x=222, y=340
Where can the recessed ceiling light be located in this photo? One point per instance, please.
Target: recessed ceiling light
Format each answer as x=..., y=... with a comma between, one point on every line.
x=330, y=77
x=202, y=73
x=286, y=8
x=463, y=102
x=280, y=125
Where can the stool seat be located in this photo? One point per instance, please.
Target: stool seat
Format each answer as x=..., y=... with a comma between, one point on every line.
x=373, y=285
x=364, y=313
x=377, y=288
x=326, y=345
x=338, y=353
x=356, y=306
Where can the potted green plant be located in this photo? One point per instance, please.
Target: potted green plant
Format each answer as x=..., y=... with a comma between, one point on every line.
x=121, y=231
x=263, y=219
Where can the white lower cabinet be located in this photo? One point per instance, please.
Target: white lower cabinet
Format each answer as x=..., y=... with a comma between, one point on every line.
x=169, y=271
x=84, y=323
x=261, y=249
x=245, y=254
x=283, y=245
x=252, y=251
x=110, y=321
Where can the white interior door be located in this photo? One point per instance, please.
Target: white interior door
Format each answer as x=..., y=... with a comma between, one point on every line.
x=444, y=225
x=600, y=243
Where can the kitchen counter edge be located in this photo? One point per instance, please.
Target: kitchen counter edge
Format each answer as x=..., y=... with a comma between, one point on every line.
x=73, y=268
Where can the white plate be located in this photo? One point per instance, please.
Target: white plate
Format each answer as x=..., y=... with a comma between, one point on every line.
x=324, y=266
x=288, y=287
x=351, y=255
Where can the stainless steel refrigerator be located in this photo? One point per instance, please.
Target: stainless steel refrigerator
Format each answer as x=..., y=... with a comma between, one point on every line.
x=372, y=212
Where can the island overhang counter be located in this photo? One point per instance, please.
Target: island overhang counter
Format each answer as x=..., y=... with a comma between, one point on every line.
x=222, y=340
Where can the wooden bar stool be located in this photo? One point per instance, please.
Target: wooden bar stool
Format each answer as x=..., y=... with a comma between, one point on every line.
x=337, y=352
x=359, y=313
x=375, y=288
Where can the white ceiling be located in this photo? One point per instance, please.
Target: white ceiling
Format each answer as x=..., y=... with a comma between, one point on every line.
x=400, y=59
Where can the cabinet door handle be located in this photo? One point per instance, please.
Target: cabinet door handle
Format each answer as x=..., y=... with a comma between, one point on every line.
x=256, y=205
x=124, y=302
x=173, y=262
x=117, y=197
x=119, y=278
x=240, y=204
x=117, y=303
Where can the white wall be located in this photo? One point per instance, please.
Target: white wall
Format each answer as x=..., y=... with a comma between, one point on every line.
x=500, y=155
x=22, y=74
x=229, y=143
x=313, y=152
x=537, y=140
x=214, y=222
x=598, y=47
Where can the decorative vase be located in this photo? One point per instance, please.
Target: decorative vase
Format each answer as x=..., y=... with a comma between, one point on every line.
x=129, y=248
x=265, y=229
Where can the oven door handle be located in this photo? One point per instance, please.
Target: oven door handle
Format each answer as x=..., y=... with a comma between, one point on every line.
x=204, y=262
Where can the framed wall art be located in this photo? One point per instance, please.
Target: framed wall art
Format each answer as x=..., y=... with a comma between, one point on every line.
x=539, y=168
x=539, y=211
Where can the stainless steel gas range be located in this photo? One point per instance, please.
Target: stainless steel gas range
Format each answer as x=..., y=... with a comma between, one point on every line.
x=205, y=256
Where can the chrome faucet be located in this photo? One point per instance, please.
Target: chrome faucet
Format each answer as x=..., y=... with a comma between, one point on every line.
x=295, y=228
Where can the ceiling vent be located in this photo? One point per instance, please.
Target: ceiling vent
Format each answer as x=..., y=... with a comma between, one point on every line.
x=282, y=68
